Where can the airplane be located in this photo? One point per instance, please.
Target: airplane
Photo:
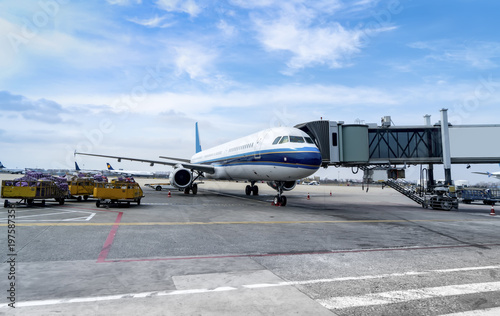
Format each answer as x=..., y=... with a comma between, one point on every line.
x=280, y=156
x=13, y=171
x=130, y=172
x=490, y=174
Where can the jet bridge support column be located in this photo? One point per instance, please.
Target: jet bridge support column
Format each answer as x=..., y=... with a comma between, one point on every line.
x=445, y=136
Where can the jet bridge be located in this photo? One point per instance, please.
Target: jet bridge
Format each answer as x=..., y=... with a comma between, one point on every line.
x=371, y=146
x=365, y=145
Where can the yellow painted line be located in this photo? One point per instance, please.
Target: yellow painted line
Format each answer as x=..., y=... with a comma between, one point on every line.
x=245, y=223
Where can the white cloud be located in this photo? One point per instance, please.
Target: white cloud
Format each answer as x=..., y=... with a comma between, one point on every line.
x=195, y=61
x=186, y=6
x=227, y=29
x=476, y=54
x=156, y=21
x=123, y=2
x=310, y=35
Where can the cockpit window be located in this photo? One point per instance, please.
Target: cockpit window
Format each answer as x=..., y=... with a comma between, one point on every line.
x=276, y=140
x=284, y=139
x=309, y=140
x=296, y=139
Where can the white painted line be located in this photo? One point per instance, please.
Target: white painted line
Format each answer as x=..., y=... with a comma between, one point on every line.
x=90, y=217
x=117, y=297
x=482, y=312
x=370, y=299
x=392, y=297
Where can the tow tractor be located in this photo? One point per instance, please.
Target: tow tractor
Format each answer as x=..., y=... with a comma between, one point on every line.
x=117, y=192
x=79, y=187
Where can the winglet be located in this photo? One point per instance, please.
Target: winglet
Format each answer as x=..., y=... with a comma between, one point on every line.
x=198, y=146
x=76, y=167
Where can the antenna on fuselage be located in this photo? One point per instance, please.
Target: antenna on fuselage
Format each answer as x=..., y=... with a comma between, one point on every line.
x=198, y=146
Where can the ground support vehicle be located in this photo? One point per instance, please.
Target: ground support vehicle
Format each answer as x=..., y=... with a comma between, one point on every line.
x=159, y=186
x=487, y=196
x=80, y=187
x=440, y=199
x=117, y=192
x=29, y=191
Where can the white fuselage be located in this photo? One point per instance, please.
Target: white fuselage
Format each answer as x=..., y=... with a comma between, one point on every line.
x=256, y=158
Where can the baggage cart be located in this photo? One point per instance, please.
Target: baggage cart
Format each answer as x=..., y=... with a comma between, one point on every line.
x=117, y=192
x=29, y=191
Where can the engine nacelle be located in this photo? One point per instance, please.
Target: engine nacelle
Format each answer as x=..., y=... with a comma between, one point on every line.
x=181, y=178
x=287, y=186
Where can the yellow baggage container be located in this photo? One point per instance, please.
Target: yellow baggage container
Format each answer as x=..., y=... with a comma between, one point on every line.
x=81, y=187
x=30, y=191
x=117, y=192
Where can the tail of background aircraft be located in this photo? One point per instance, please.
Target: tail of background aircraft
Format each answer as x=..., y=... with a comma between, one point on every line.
x=198, y=146
x=76, y=167
x=109, y=166
x=1, y=165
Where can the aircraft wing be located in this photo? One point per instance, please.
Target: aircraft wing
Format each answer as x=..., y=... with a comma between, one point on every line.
x=183, y=163
x=483, y=173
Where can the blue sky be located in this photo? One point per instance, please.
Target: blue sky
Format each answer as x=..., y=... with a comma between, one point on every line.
x=131, y=77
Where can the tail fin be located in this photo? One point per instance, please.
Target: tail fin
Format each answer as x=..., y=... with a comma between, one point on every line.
x=198, y=146
x=109, y=166
x=76, y=167
x=1, y=165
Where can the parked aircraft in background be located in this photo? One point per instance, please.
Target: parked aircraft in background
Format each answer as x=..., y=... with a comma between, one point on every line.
x=280, y=156
x=490, y=174
x=7, y=170
x=136, y=173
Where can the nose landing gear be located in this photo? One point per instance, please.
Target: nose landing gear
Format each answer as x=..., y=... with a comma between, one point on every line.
x=279, y=199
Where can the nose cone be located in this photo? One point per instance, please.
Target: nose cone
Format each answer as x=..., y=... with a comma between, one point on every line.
x=311, y=159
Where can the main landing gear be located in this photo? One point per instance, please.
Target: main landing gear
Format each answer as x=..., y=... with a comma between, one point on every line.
x=249, y=189
x=279, y=199
x=193, y=187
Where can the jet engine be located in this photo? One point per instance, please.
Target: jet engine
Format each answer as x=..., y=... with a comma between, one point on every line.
x=181, y=178
x=287, y=185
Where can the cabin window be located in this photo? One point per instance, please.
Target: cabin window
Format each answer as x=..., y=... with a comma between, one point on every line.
x=296, y=139
x=276, y=140
x=284, y=140
x=309, y=140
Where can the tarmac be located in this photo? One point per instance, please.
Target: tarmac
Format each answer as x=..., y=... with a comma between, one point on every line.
x=342, y=251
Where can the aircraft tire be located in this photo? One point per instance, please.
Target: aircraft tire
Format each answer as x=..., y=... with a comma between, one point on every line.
x=248, y=190
x=194, y=188
x=255, y=190
x=283, y=200
x=186, y=190
x=276, y=200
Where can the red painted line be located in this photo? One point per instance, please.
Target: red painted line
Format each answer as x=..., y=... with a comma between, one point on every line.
x=109, y=241
x=299, y=253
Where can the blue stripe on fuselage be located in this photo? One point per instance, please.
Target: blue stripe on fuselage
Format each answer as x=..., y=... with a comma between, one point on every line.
x=305, y=157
